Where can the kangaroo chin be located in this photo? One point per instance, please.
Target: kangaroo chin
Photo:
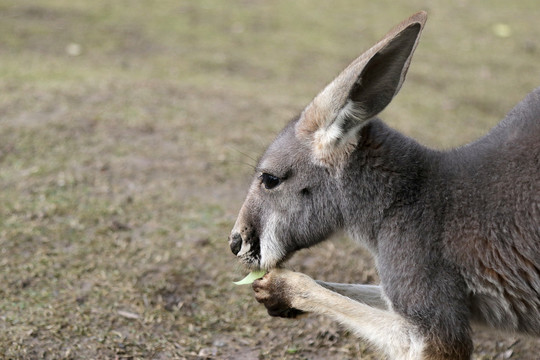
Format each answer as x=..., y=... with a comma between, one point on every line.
x=455, y=234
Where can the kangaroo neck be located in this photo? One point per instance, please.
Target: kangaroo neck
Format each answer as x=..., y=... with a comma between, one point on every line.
x=387, y=173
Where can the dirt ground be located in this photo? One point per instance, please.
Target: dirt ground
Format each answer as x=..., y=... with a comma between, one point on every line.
x=128, y=135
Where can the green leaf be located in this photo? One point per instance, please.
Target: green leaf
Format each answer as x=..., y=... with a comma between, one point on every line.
x=251, y=277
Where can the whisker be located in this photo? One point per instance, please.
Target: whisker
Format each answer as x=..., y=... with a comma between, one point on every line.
x=242, y=153
x=247, y=164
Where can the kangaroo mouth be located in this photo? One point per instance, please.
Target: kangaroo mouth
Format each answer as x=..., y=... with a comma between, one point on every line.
x=272, y=261
x=263, y=253
x=253, y=261
x=250, y=255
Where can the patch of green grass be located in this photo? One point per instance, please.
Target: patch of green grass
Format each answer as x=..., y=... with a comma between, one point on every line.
x=122, y=168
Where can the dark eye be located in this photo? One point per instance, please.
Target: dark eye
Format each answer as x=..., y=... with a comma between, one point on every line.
x=269, y=181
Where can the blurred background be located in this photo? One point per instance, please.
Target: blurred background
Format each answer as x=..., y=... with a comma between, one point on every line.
x=128, y=132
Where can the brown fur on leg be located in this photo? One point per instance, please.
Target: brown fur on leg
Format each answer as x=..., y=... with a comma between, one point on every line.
x=436, y=349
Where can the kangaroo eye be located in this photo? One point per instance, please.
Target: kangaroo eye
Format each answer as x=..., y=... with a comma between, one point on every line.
x=269, y=181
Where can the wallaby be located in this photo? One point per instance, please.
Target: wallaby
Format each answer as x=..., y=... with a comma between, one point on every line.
x=455, y=234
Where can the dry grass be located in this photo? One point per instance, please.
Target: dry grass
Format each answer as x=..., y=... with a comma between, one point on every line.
x=122, y=167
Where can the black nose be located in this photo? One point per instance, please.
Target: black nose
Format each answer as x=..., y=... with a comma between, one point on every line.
x=235, y=241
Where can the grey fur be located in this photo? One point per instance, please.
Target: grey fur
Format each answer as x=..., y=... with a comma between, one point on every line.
x=455, y=234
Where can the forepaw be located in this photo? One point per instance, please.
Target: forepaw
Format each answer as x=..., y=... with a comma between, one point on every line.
x=281, y=292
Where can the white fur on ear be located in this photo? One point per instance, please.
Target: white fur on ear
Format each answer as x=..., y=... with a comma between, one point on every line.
x=332, y=143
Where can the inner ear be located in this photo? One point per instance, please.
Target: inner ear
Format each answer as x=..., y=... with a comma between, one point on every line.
x=382, y=76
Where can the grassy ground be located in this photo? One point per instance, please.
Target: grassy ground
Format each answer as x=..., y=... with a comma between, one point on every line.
x=127, y=132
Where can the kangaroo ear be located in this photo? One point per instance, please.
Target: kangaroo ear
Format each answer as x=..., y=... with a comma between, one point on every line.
x=332, y=121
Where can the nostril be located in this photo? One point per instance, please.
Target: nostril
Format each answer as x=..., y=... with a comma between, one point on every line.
x=236, y=243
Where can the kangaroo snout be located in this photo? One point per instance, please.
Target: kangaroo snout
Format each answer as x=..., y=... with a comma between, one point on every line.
x=235, y=242
x=244, y=239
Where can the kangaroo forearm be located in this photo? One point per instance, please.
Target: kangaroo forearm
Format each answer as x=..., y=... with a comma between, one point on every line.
x=374, y=325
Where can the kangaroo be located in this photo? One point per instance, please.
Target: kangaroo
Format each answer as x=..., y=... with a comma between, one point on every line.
x=455, y=234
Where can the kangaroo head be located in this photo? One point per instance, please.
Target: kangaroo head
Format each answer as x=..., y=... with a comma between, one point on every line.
x=296, y=197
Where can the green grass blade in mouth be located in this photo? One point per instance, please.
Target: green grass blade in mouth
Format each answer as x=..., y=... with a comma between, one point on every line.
x=251, y=277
